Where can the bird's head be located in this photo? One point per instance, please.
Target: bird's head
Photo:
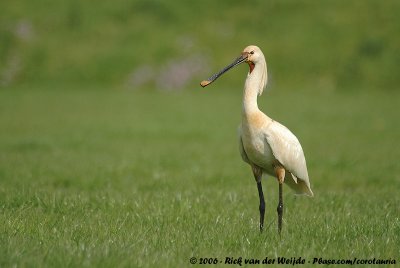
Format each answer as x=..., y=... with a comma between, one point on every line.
x=252, y=55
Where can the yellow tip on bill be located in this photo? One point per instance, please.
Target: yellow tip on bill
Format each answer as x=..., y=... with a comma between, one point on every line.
x=205, y=83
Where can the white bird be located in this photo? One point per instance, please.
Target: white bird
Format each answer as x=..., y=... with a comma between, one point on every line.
x=266, y=145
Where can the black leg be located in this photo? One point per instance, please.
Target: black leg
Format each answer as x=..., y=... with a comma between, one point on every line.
x=257, y=172
x=279, y=209
x=262, y=205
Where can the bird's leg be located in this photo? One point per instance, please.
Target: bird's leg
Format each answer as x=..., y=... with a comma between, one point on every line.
x=262, y=205
x=280, y=173
x=257, y=176
x=279, y=209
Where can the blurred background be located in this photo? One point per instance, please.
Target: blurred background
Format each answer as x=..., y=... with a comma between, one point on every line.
x=172, y=45
x=111, y=154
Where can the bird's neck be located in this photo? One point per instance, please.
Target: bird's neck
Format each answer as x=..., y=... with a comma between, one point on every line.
x=250, y=100
x=254, y=85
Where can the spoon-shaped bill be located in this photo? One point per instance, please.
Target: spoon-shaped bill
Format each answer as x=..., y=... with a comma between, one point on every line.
x=214, y=77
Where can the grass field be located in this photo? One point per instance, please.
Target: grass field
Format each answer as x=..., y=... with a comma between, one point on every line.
x=112, y=155
x=106, y=178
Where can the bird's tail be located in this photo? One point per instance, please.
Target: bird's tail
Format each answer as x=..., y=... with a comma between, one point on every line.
x=300, y=188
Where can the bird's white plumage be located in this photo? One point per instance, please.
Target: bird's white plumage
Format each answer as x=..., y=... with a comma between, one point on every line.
x=287, y=149
x=271, y=144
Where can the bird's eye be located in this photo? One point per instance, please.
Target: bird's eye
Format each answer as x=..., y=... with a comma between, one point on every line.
x=251, y=52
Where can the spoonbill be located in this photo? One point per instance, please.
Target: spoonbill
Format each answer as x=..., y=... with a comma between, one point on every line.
x=266, y=145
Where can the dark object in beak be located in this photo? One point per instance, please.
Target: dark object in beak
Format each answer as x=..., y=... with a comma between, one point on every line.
x=237, y=61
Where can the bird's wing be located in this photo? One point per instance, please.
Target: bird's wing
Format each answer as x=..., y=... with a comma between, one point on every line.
x=287, y=149
x=241, y=148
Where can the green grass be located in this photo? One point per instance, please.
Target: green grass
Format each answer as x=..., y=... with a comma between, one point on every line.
x=105, y=178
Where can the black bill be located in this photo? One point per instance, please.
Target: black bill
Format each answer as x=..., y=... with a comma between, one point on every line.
x=237, y=61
